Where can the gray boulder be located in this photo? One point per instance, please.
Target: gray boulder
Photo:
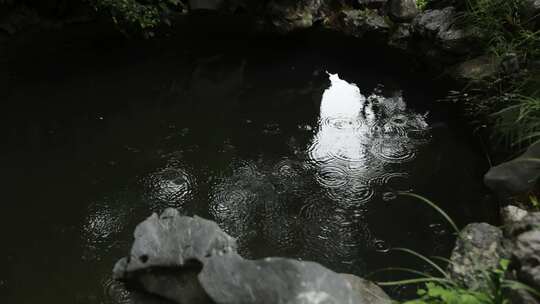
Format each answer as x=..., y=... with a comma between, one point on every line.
x=402, y=10
x=530, y=222
x=431, y=22
x=401, y=36
x=443, y=30
x=477, y=71
x=510, y=63
x=287, y=16
x=527, y=256
x=370, y=293
x=206, y=4
x=439, y=4
x=171, y=240
x=525, y=264
x=359, y=23
x=511, y=215
x=516, y=177
x=478, y=249
x=230, y=279
x=371, y=3
x=191, y=260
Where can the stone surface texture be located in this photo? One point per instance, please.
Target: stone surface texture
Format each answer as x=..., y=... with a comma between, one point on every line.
x=478, y=249
x=516, y=177
x=191, y=260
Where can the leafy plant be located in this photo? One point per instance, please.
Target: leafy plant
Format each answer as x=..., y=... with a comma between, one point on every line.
x=511, y=105
x=139, y=14
x=421, y=4
x=444, y=289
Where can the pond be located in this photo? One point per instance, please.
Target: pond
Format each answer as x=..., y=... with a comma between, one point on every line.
x=294, y=145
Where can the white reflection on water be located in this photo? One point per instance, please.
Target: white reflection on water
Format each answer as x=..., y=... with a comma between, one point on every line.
x=357, y=137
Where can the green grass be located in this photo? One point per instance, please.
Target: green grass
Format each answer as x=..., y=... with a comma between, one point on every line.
x=510, y=105
x=441, y=288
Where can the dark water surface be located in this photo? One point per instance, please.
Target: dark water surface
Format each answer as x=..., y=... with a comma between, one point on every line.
x=99, y=133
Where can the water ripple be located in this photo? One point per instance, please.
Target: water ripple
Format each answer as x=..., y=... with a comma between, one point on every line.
x=332, y=176
x=393, y=150
x=170, y=187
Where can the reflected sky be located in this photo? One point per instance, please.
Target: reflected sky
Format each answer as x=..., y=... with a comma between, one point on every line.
x=358, y=136
x=315, y=204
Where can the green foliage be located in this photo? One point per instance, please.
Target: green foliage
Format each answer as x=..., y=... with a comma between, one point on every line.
x=439, y=294
x=519, y=120
x=444, y=293
x=421, y=4
x=510, y=105
x=139, y=14
x=444, y=289
x=505, y=29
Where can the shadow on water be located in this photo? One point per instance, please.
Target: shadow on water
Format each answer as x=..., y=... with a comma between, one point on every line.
x=247, y=131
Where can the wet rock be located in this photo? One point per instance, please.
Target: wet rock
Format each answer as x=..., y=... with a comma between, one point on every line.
x=431, y=22
x=287, y=16
x=510, y=63
x=476, y=71
x=512, y=214
x=443, y=30
x=368, y=291
x=478, y=249
x=439, y=4
x=172, y=240
x=191, y=260
x=359, y=23
x=516, y=177
x=525, y=263
x=372, y=3
x=206, y=4
x=529, y=222
x=402, y=10
x=231, y=279
x=527, y=255
x=400, y=36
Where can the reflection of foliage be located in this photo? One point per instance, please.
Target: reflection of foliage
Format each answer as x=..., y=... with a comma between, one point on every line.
x=142, y=15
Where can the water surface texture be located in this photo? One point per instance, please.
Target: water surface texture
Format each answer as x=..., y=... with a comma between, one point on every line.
x=251, y=133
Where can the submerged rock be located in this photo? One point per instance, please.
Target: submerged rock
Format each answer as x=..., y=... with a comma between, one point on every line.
x=402, y=10
x=516, y=177
x=191, y=260
x=478, y=249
